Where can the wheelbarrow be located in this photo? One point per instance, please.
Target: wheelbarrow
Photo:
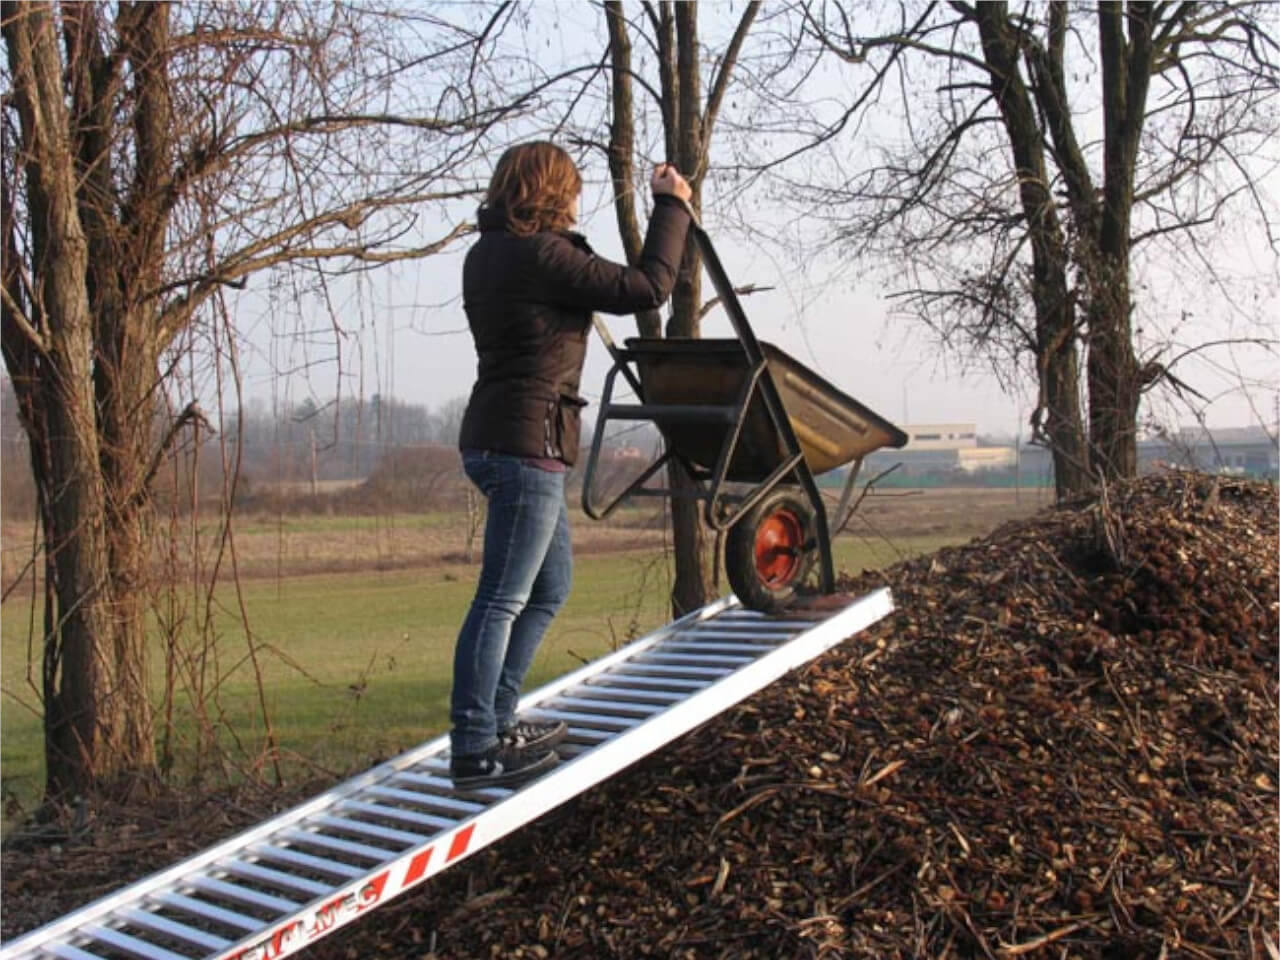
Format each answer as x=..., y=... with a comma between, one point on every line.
x=751, y=428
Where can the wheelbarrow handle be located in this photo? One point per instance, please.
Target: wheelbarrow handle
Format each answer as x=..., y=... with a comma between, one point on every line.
x=693, y=216
x=728, y=295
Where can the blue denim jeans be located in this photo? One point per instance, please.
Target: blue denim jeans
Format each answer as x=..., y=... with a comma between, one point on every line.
x=524, y=580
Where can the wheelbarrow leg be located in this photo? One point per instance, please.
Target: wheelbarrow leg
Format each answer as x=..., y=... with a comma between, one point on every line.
x=826, y=567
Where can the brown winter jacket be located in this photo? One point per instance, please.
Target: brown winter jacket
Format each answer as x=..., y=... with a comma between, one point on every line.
x=529, y=302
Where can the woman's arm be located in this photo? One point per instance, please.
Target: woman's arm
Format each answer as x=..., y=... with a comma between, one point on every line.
x=574, y=276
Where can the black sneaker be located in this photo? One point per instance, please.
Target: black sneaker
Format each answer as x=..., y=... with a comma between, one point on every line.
x=529, y=737
x=500, y=767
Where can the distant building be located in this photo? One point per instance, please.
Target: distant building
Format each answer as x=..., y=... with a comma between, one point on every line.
x=1035, y=463
x=1244, y=451
x=941, y=436
x=939, y=448
x=1248, y=451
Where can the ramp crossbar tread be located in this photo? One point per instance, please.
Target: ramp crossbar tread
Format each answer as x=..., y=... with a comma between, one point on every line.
x=270, y=891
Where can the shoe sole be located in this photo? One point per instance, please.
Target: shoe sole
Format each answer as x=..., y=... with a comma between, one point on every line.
x=508, y=777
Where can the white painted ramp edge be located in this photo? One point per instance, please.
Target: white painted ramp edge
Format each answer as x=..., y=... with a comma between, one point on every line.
x=98, y=925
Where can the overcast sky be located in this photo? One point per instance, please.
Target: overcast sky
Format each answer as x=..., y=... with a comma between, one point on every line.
x=407, y=338
x=405, y=332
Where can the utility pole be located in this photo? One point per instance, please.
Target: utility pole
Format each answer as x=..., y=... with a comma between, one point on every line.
x=314, y=484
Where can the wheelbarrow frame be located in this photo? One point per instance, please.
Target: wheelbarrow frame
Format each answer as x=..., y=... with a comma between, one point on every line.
x=721, y=508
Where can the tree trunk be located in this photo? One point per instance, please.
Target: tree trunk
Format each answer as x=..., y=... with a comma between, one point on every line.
x=691, y=589
x=127, y=376
x=622, y=150
x=126, y=418
x=1062, y=422
x=84, y=717
x=676, y=33
x=97, y=713
x=1058, y=417
x=1114, y=382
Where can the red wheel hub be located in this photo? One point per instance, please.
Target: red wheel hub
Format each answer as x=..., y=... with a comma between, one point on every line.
x=779, y=547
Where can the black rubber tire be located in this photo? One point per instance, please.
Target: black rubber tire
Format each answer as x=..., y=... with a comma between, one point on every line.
x=783, y=509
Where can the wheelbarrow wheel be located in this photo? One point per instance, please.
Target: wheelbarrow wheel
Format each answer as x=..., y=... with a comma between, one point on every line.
x=769, y=552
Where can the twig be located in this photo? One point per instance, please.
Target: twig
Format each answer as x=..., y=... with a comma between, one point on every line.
x=866, y=490
x=722, y=875
x=1239, y=906
x=742, y=291
x=868, y=887
x=887, y=770
x=190, y=414
x=972, y=928
x=1138, y=738
x=1059, y=564
x=1109, y=527
x=1018, y=949
x=765, y=794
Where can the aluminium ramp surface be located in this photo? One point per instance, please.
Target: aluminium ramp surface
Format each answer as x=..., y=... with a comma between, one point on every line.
x=277, y=887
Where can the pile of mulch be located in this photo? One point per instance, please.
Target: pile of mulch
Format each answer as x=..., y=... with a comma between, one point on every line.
x=1063, y=743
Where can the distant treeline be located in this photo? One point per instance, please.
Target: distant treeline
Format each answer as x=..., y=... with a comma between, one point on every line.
x=355, y=455
x=347, y=437
x=314, y=450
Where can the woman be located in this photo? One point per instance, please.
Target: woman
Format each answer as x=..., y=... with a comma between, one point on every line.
x=529, y=288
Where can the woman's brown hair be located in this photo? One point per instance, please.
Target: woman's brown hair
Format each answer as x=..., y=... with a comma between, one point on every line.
x=534, y=185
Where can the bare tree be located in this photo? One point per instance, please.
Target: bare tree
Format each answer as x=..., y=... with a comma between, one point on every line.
x=687, y=123
x=156, y=156
x=1038, y=153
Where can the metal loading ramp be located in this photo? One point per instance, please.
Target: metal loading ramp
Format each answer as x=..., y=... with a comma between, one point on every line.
x=274, y=889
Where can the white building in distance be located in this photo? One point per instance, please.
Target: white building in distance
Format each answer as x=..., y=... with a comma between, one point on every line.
x=935, y=447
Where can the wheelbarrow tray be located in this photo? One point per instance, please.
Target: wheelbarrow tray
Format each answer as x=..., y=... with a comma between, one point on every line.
x=831, y=427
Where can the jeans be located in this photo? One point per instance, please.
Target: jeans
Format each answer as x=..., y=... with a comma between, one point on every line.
x=524, y=580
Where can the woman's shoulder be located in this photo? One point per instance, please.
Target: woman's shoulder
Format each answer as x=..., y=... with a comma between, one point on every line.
x=558, y=244
x=526, y=259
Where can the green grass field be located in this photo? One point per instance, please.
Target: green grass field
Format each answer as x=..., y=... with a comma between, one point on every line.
x=357, y=667
x=343, y=523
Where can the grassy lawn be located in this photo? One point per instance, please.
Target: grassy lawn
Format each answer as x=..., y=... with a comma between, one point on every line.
x=330, y=523
x=357, y=666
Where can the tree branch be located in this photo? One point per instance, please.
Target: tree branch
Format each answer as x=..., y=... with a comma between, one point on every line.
x=721, y=80
x=274, y=250
x=191, y=414
x=13, y=314
x=743, y=291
